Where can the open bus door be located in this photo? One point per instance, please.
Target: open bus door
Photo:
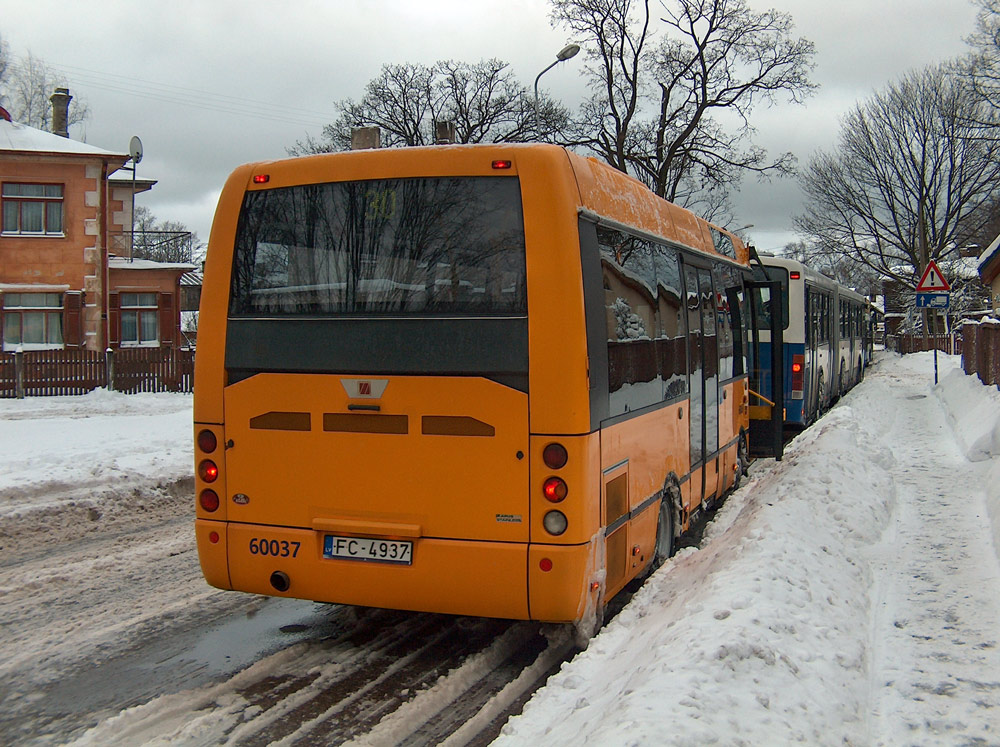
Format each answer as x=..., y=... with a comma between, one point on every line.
x=767, y=395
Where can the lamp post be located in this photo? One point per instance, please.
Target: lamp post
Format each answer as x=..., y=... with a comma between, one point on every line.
x=564, y=54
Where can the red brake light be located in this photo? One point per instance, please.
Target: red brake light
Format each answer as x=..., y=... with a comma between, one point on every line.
x=794, y=275
x=555, y=456
x=502, y=163
x=261, y=178
x=798, y=377
x=208, y=471
x=555, y=489
x=209, y=501
x=207, y=441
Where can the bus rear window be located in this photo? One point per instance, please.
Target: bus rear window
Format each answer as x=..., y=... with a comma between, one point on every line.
x=425, y=246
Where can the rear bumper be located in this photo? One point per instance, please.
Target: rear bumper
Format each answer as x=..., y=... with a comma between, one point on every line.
x=461, y=577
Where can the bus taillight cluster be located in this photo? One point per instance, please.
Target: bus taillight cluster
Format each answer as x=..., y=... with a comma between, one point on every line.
x=555, y=489
x=208, y=471
x=798, y=372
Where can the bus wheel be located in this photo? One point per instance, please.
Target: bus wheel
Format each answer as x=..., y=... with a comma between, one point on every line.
x=820, y=387
x=665, y=544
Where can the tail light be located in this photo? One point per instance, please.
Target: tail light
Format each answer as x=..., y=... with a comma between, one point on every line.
x=207, y=441
x=555, y=456
x=555, y=522
x=555, y=489
x=208, y=470
x=798, y=372
x=209, y=501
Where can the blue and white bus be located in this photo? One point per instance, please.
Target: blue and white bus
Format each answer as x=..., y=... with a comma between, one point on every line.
x=825, y=328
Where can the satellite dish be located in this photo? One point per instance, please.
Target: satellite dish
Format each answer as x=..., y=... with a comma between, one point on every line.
x=135, y=149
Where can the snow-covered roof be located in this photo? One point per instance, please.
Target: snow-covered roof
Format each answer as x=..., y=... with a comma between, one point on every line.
x=124, y=263
x=193, y=278
x=19, y=137
x=989, y=254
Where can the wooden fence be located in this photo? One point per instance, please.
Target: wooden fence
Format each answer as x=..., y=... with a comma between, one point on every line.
x=951, y=344
x=981, y=355
x=131, y=370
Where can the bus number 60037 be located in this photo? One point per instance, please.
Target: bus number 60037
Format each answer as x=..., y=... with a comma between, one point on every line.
x=274, y=548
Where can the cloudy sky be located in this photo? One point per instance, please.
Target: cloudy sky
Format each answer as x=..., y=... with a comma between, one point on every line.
x=208, y=85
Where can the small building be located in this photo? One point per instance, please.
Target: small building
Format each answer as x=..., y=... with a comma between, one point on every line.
x=989, y=271
x=63, y=218
x=145, y=302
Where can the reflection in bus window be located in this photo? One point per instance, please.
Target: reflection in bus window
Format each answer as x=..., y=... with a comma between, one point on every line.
x=390, y=246
x=671, y=345
x=630, y=312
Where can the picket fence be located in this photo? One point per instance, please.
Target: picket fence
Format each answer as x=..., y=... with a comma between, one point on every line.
x=131, y=370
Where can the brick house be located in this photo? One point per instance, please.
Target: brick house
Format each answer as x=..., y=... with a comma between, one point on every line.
x=989, y=272
x=60, y=211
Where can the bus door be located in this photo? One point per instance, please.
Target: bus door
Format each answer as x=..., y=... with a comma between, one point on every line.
x=814, y=338
x=767, y=365
x=703, y=378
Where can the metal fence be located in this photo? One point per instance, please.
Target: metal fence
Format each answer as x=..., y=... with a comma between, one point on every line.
x=981, y=355
x=131, y=370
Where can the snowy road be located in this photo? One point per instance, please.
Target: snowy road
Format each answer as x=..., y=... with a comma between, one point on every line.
x=847, y=595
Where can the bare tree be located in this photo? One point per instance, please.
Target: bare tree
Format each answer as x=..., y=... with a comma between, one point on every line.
x=985, y=67
x=662, y=87
x=25, y=87
x=843, y=268
x=163, y=241
x=909, y=179
x=483, y=99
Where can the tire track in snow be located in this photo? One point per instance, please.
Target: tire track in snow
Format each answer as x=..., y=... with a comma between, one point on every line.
x=937, y=589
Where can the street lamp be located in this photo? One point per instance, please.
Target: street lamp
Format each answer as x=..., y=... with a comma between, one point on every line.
x=564, y=54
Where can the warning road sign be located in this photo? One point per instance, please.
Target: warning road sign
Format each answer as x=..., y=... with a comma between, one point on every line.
x=932, y=281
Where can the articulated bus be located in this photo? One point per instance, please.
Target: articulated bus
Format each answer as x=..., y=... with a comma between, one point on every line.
x=481, y=380
x=825, y=332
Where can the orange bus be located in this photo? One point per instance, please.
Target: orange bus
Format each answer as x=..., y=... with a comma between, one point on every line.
x=482, y=380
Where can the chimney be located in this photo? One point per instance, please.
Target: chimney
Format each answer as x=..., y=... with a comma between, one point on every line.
x=363, y=138
x=60, y=112
x=444, y=133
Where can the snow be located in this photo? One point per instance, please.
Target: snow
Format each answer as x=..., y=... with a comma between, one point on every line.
x=19, y=137
x=847, y=594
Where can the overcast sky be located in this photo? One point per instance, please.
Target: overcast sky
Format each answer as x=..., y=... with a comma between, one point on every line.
x=209, y=85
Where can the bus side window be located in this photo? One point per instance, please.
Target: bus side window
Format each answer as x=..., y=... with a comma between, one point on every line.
x=724, y=278
x=671, y=338
x=630, y=311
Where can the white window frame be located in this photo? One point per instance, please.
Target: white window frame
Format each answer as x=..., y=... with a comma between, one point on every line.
x=51, y=204
x=140, y=305
x=19, y=304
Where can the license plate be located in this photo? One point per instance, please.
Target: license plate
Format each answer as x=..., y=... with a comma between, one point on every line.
x=366, y=548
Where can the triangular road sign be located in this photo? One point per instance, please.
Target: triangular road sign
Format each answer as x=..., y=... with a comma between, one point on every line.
x=932, y=281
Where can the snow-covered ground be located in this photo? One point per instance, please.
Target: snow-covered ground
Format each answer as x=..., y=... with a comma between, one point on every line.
x=848, y=594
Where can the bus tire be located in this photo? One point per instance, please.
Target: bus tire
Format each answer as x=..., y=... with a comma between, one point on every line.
x=666, y=542
x=820, y=386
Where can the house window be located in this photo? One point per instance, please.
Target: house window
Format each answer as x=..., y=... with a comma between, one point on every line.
x=32, y=209
x=139, y=321
x=32, y=321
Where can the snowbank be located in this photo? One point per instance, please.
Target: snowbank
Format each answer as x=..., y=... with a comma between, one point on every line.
x=974, y=414
x=774, y=632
